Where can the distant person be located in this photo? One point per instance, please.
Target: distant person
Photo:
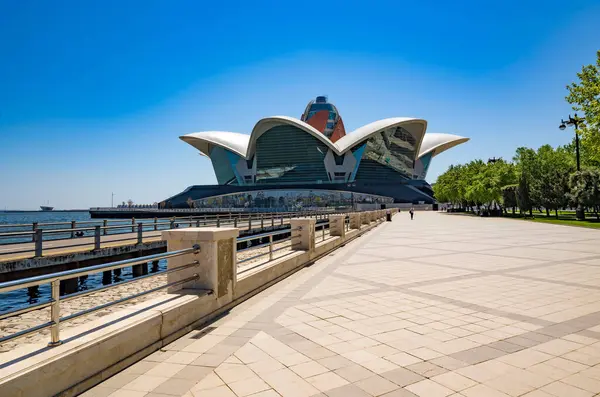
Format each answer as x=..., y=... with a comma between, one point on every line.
x=412, y=213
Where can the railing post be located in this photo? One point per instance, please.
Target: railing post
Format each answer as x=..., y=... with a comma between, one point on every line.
x=235, y=220
x=191, y=221
x=216, y=267
x=105, y=224
x=218, y=221
x=281, y=220
x=172, y=224
x=355, y=220
x=132, y=225
x=38, y=243
x=34, y=226
x=97, y=237
x=262, y=222
x=55, y=314
x=365, y=218
x=323, y=239
x=155, y=223
x=303, y=234
x=270, y=247
x=250, y=222
x=140, y=235
x=197, y=222
x=337, y=225
x=272, y=220
x=73, y=226
x=204, y=220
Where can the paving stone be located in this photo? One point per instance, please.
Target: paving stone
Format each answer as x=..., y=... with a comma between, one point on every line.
x=455, y=306
x=402, y=376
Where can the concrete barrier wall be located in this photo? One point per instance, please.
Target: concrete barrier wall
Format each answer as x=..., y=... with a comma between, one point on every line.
x=97, y=350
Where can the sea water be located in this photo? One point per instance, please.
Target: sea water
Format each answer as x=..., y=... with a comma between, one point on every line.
x=13, y=299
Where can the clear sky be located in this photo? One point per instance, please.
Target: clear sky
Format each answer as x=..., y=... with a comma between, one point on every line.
x=93, y=95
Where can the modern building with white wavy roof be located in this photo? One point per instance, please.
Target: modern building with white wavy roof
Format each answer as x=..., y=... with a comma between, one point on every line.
x=287, y=162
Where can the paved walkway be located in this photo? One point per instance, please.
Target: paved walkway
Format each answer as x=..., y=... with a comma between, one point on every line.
x=445, y=305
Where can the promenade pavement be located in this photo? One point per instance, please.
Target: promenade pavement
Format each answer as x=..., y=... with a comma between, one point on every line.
x=445, y=305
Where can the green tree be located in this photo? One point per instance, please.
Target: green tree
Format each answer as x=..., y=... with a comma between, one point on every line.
x=584, y=95
x=585, y=188
x=523, y=199
x=551, y=178
x=527, y=169
x=509, y=196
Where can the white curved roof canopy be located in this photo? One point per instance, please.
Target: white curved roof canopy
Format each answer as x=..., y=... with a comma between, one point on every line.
x=416, y=127
x=244, y=145
x=437, y=143
x=204, y=141
x=266, y=124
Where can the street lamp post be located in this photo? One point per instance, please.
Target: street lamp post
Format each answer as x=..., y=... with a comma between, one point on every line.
x=575, y=121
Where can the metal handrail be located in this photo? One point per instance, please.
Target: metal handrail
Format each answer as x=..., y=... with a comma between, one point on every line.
x=96, y=231
x=180, y=218
x=55, y=278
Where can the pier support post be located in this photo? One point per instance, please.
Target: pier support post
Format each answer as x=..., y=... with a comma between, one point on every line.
x=303, y=234
x=38, y=243
x=69, y=286
x=106, y=277
x=154, y=266
x=73, y=226
x=132, y=225
x=117, y=272
x=155, y=223
x=337, y=225
x=97, y=237
x=216, y=257
x=33, y=292
x=137, y=270
x=105, y=224
x=140, y=233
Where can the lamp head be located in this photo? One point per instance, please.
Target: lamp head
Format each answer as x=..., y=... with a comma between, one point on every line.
x=562, y=126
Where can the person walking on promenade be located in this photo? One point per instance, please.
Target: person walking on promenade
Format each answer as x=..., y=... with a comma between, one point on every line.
x=412, y=213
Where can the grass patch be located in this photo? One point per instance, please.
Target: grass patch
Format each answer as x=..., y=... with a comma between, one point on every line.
x=565, y=218
x=589, y=223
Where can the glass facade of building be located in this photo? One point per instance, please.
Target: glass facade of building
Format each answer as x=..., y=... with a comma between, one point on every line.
x=287, y=154
x=223, y=162
x=387, y=155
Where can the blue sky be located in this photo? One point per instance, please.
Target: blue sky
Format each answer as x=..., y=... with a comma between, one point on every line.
x=93, y=95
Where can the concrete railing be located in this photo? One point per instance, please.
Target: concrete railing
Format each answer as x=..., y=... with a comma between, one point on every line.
x=95, y=351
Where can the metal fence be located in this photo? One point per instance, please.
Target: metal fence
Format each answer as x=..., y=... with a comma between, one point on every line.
x=54, y=280
x=274, y=237
x=40, y=232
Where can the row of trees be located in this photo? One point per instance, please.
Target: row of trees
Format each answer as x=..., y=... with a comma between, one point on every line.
x=545, y=178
